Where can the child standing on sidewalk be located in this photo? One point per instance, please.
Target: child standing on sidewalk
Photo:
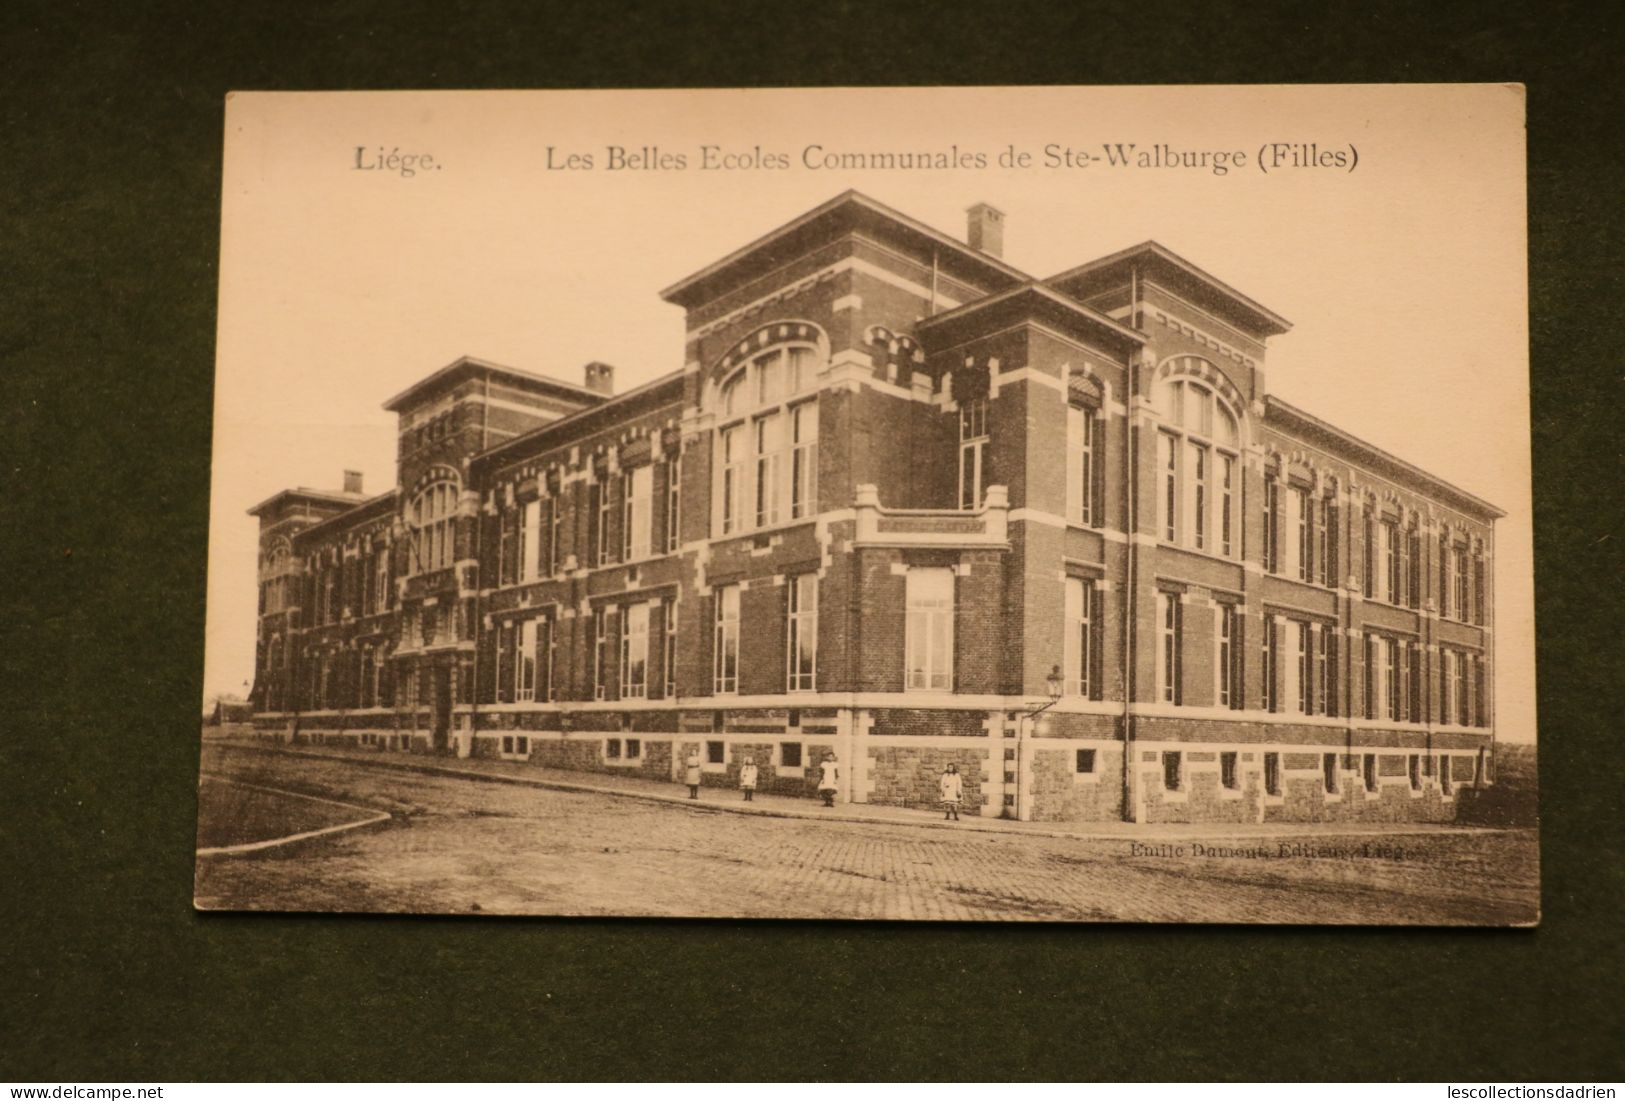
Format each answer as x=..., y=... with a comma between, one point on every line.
x=953, y=792
x=691, y=775
x=747, y=778
x=828, y=779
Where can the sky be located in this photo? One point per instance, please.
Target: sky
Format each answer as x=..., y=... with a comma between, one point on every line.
x=345, y=277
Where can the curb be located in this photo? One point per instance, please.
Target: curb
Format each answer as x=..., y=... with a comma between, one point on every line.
x=376, y=817
x=648, y=796
x=974, y=825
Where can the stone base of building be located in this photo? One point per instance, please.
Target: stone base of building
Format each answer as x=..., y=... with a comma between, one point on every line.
x=1066, y=768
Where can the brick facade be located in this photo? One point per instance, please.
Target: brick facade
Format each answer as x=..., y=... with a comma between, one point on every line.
x=897, y=490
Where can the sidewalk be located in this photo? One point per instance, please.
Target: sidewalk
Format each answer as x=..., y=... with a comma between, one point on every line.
x=730, y=801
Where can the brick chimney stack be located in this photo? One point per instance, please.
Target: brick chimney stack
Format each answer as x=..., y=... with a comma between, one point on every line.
x=985, y=229
x=600, y=378
x=352, y=481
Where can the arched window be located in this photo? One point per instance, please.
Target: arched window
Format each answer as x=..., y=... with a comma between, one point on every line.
x=432, y=513
x=278, y=564
x=1198, y=469
x=767, y=440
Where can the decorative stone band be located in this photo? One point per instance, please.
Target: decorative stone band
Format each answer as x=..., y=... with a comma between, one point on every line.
x=985, y=527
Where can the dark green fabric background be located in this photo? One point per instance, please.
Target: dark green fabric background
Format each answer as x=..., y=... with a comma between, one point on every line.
x=109, y=211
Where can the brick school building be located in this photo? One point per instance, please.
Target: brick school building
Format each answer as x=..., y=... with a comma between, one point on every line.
x=907, y=505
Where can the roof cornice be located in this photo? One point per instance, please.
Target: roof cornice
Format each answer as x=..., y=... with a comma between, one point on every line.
x=1270, y=322
x=678, y=292
x=1291, y=418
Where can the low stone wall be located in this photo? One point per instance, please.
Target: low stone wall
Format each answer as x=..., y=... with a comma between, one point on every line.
x=1058, y=792
x=911, y=776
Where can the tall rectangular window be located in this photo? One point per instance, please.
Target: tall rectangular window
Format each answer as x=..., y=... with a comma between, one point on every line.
x=635, y=651
x=1303, y=669
x=1272, y=774
x=804, y=461
x=1272, y=525
x=1391, y=679
x=725, y=673
x=600, y=654
x=973, y=439
x=530, y=514
x=731, y=446
x=1270, y=684
x=1402, y=570
x=1322, y=662
x=674, y=484
x=1080, y=465
x=668, y=649
x=1369, y=684
x=1407, y=701
x=1170, y=648
x=1478, y=588
x=545, y=653
x=1305, y=507
x=1388, y=534
x=1368, y=553
x=1458, y=688
x=1227, y=504
x=381, y=581
x=525, y=667
x=1445, y=585
x=506, y=650
x=1298, y=550
x=637, y=486
x=606, y=508
x=1229, y=658
x=1323, y=566
x=929, y=630
x=1079, y=644
x=801, y=639
x=555, y=534
x=507, y=540
x=1168, y=498
x=1197, y=497
x=769, y=435
x=1330, y=565
x=1463, y=579
x=1413, y=569
x=1328, y=772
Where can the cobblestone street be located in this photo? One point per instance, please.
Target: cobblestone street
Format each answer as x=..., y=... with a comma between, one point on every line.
x=458, y=845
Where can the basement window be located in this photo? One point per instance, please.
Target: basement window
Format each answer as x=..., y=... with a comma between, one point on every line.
x=1171, y=771
x=1085, y=764
x=1227, y=771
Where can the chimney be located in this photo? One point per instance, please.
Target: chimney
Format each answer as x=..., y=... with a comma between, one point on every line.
x=352, y=481
x=600, y=378
x=984, y=229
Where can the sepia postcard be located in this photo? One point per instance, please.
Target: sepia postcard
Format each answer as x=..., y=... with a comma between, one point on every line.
x=1041, y=504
